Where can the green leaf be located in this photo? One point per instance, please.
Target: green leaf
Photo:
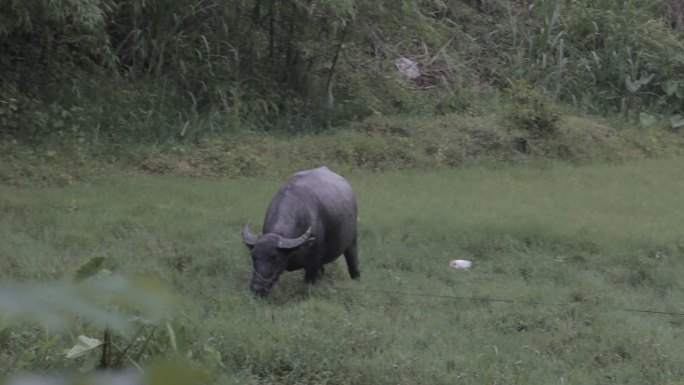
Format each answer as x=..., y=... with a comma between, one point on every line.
x=680, y=93
x=646, y=120
x=84, y=345
x=632, y=86
x=670, y=87
x=214, y=354
x=676, y=121
x=643, y=80
x=88, y=269
x=172, y=337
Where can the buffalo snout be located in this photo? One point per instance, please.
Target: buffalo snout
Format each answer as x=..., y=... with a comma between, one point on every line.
x=260, y=288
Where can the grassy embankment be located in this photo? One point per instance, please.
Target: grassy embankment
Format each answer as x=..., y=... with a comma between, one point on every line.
x=377, y=144
x=594, y=239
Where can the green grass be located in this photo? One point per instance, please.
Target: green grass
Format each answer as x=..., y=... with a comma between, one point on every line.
x=594, y=239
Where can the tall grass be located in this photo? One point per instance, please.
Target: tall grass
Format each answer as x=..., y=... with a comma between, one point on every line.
x=124, y=72
x=586, y=241
x=600, y=55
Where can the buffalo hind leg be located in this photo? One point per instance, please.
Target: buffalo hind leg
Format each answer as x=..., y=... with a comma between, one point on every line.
x=352, y=258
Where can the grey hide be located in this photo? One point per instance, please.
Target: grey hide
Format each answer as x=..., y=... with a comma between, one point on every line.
x=310, y=221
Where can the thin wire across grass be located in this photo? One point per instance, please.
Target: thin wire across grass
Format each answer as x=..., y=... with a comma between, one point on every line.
x=502, y=300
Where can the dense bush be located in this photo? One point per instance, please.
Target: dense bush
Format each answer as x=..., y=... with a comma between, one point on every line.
x=605, y=56
x=530, y=111
x=155, y=70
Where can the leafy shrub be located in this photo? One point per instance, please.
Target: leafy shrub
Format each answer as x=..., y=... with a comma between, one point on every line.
x=530, y=111
x=458, y=101
x=606, y=57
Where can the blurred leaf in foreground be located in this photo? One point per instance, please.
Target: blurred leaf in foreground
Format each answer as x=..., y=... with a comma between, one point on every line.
x=106, y=300
x=84, y=345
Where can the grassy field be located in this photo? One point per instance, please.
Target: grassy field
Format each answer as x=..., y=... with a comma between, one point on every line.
x=572, y=247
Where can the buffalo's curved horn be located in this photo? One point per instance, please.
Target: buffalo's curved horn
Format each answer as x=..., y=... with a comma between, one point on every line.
x=247, y=237
x=287, y=243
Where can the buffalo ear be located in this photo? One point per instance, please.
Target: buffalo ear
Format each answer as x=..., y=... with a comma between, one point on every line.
x=309, y=242
x=247, y=237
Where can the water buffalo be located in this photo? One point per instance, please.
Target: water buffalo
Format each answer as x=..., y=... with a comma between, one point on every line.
x=310, y=221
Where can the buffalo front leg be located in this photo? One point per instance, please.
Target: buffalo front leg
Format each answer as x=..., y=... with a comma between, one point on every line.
x=313, y=273
x=313, y=270
x=352, y=258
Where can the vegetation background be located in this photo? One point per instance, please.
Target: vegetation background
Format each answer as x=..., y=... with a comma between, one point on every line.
x=135, y=82
x=136, y=136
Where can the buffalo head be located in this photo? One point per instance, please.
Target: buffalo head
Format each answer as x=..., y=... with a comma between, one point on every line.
x=271, y=254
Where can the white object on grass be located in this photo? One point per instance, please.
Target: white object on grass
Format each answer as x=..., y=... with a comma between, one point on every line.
x=460, y=264
x=407, y=67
